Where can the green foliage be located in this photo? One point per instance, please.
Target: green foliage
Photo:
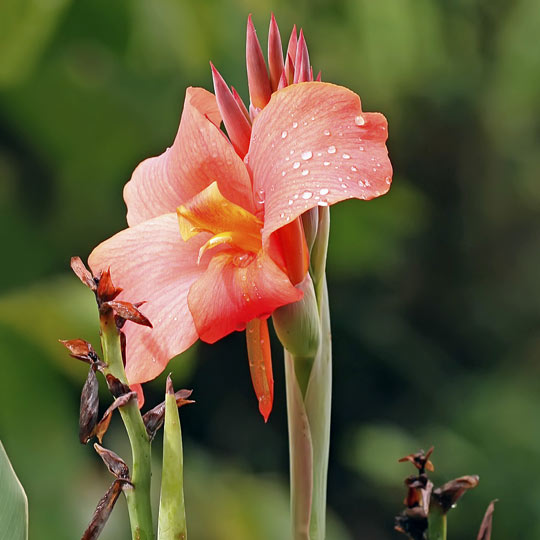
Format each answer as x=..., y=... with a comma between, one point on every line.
x=13, y=502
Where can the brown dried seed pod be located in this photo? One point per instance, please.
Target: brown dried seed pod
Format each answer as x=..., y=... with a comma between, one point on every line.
x=103, y=511
x=89, y=407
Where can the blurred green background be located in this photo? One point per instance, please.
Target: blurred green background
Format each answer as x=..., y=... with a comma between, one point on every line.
x=434, y=288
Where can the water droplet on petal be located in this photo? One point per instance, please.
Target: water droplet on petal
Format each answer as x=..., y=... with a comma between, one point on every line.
x=307, y=195
x=361, y=149
x=346, y=156
x=326, y=163
x=322, y=203
x=327, y=132
x=331, y=149
x=359, y=120
x=305, y=172
x=353, y=169
x=290, y=202
x=307, y=155
x=296, y=164
x=388, y=180
x=324, y=191
x=295, y=124
x=283, y=134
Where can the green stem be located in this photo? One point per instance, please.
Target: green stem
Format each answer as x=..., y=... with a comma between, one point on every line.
x=436, y=524
x=300, y=454
x=318, y=403
x=138, y=496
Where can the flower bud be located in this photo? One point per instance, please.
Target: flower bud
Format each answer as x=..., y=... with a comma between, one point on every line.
x=297, y=325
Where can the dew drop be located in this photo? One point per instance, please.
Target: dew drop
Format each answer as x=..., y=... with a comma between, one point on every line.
x=344, y=186
x=374, y=169
x=346, y=156
x=326, y=163
x=295, y=124
x=283, y=134
x=322, y=203
x=327, y=132
x=290, y=202
x=307, y=155
x=388, y=180
x=360, y=183
x=359, y=120
x=307, y=195
x=324, y=191
x=305, y=172
x=361, y=149
x=331, y=149
x=282, y=173
x=353, y=169
x=296, y=164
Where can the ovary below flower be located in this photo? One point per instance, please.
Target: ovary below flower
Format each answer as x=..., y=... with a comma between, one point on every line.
x=205, y=246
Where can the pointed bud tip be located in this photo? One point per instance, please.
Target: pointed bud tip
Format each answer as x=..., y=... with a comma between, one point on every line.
x=169, y=385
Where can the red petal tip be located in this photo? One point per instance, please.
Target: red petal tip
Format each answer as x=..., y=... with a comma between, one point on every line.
x=236, y=123
x=258, y=80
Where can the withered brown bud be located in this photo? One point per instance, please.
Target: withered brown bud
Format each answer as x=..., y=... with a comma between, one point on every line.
x=103, y=511
x=413, y=522
x=106, y=291
x=127, y=311
x=82, y=350
x=83, y=273
x=116, y=465
x=487, y=523
x=116, y=387
x=153, y=419
x=447, y=495
x=89, y=407
x=420, y=460
x=103, y=425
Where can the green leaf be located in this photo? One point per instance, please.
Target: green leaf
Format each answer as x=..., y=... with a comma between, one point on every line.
x=172, y=514
x=13, y=502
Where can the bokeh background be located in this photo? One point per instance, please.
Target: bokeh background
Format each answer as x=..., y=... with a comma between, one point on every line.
x=434, y=288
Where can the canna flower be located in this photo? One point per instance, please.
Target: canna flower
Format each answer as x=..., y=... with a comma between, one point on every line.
x=215, y=242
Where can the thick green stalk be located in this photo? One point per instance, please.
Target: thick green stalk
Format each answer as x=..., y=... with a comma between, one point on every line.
x=436, y=524
x=138, y=496
x=318, y=403
x=309, y=407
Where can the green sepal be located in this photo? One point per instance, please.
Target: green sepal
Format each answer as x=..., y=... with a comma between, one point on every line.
x=172, y=514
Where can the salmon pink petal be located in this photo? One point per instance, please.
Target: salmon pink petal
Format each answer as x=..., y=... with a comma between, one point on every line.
x=235, y=290
x=312, y=145
x=199, y=155
x=152, y=263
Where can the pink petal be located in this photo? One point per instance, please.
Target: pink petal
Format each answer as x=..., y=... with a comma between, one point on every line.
x=199, y=155
x=152, y=263
x=229, y=295
x=312, y=145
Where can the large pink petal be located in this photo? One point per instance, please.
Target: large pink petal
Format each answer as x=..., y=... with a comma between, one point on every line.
x=200, y=155
x=229, y=295
x=311, y=145
x=152, y=263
